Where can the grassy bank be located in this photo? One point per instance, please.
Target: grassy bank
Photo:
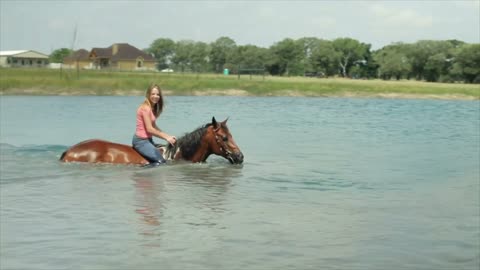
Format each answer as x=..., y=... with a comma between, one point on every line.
x=69, y=82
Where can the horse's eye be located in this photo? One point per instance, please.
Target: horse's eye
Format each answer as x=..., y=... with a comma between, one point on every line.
x=225, y=138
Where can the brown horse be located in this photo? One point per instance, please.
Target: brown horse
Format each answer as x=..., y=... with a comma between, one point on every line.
x=196, y=146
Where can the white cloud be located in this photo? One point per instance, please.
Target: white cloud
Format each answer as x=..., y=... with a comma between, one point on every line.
x=322, y=22
x=43, y=25
x=404, y=18
x=475, y=4
x=54, y=24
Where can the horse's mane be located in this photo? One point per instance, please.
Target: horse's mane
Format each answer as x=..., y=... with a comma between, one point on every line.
x=188, y=143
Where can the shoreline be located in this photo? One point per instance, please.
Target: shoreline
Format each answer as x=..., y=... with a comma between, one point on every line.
x=238, y=93
x=90, y=83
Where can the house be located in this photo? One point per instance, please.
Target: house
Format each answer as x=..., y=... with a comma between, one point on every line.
x=121, y=56
x=23, y=58
x=79, y=58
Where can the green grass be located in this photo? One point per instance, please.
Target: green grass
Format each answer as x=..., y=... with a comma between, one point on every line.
x=94, y=82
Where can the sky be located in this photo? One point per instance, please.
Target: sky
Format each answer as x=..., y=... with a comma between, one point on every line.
x=47, y=25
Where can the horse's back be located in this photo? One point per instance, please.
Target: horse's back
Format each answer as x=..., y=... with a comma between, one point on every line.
x=101, y=151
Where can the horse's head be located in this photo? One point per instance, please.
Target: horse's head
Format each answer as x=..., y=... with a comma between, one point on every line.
x=224, y=144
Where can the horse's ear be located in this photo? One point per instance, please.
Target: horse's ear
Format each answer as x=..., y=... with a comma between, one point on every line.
x=214, y=122
x=224, y=123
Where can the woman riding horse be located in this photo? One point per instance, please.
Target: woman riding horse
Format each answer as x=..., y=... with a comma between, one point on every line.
x=196, y=146
x=146, y=128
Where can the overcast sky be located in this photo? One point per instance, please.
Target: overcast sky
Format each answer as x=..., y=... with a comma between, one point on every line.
x=48, y=25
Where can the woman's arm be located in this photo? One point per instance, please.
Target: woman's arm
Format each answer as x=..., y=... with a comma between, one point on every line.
x=154, y=130
x=165, y=136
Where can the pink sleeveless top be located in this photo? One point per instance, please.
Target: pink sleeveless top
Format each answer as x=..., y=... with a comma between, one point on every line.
x=141, y=130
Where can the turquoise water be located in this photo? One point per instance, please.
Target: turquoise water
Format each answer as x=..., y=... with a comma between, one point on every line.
x=326, y=184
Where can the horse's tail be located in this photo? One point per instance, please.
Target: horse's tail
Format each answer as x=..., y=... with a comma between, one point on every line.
x=63, y=155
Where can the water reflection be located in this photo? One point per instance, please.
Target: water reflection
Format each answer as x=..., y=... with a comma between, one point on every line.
x=209, y=183
x=148, y=205
x=192, y=194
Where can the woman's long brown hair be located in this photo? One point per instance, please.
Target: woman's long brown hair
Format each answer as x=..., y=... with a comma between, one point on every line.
x=157, y=108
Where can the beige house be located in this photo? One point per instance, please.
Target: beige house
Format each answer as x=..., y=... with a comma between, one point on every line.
x=121, y=56
x=78, y=59
x=23, y=58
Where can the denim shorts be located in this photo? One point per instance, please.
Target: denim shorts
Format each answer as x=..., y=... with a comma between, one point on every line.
x=147, y=149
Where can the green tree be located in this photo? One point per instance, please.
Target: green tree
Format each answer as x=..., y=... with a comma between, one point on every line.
x=271, y=63
x=57, y=55
x=308, y=45
x=163, y=50
x=467, y=63
x=182, y=58
x=392, y=61
x=248, y=57
x=350, y=51
x=419, y=54
x=288, y=54
x=199, y=56
x=435, y=66
x=324, y=58
x=220, y=51
x=369, y=67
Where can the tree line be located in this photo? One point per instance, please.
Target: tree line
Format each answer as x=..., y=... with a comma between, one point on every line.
x=426, y=60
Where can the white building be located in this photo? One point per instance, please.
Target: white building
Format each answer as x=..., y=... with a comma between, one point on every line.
x=23, y=58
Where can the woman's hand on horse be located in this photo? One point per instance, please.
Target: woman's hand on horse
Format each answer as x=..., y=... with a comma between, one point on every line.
x=171, y=139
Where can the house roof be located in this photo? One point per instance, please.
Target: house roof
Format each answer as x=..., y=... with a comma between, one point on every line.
x=120, y=51
x=102, y=52
x=24, y=54
x=78, y=54
x=10, y=53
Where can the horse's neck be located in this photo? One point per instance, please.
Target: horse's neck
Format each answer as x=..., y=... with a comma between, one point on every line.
x=201, y=155
x=189, y=148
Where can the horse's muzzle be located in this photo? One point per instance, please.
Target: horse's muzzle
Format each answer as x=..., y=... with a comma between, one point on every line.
x=236, y=158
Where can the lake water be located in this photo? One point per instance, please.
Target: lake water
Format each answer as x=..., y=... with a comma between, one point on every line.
x=327, y=183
